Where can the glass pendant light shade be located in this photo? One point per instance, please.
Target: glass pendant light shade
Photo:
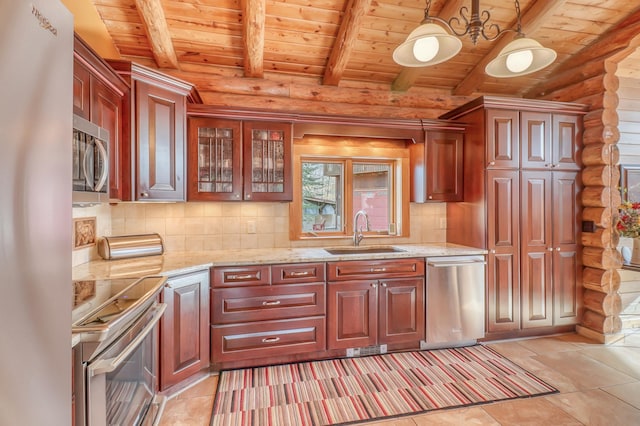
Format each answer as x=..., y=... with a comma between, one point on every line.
x=520, y=57
x=429, y=44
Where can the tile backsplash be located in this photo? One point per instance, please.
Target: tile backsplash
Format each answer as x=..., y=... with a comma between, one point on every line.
x=231, y=225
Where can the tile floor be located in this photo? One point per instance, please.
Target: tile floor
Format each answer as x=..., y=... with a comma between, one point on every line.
x=598, y=384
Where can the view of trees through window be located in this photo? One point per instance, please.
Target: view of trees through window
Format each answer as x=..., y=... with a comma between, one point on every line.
x=324, y=184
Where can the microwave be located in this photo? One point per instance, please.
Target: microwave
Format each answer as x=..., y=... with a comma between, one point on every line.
x=90, y=163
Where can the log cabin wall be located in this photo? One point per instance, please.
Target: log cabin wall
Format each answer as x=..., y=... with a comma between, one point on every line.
x=590, y=78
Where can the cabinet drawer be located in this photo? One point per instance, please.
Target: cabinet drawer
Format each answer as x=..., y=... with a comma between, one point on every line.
x=269, y=338
x=240, y=276
x=229, y=305
x=375, y=269
x=297, y=273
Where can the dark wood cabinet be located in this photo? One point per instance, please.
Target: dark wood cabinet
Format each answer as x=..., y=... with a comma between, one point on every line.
x=502, y=138
x=375, y=303
x=503, y=242
x=157, y=128
x=436, y=167
x=528, y=203
x=239, y=160
x=101, y=96
x=184, y=328
x=214, y=159
x=261, y=311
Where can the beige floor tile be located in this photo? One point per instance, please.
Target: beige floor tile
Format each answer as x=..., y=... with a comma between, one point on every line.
x=511, y=350
x=532, y=411
x=205, y=387
x=583, y=372
x=194, y=411
x=622, y=358
x=548, y=375
x=596, y=408
x=629, y=393
x=461, y=416
x=550, y=344
x=399, y=421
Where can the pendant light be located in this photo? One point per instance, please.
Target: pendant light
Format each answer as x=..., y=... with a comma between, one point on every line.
x=432, y=43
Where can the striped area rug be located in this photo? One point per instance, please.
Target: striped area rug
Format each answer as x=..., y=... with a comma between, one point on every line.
x=352, y=390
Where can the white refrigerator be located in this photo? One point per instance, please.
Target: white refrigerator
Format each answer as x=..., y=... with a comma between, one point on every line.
x=36, y=72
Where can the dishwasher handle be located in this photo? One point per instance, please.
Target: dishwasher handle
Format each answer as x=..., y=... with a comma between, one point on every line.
x=449, y=262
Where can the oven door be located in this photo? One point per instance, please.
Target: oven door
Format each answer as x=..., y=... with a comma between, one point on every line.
x=122, y=381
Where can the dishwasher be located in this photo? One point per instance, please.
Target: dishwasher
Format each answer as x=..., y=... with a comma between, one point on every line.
x=455, y=305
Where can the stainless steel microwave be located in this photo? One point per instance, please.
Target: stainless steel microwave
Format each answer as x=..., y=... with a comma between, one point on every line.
x=90, y=163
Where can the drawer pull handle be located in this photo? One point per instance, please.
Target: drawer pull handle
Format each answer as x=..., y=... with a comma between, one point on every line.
x=240, y=277
x=299, y=274
x=378, y=269
x=270, y=340
x=270, y=303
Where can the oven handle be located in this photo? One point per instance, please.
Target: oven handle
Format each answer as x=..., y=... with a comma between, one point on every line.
x=104, y=366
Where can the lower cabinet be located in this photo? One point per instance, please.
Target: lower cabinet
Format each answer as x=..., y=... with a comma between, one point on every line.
x=184, y=328
x=265, y=311
x=386, y=308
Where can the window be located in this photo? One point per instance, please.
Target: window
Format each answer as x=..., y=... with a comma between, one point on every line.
x=337, y=178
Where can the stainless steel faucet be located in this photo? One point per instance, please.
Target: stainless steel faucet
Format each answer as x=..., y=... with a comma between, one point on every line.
x=357, y=235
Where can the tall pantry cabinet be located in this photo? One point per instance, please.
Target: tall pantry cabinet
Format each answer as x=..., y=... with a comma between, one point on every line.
x=522, y=203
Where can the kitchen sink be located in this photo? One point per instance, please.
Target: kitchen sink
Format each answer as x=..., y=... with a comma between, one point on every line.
x=363, y=250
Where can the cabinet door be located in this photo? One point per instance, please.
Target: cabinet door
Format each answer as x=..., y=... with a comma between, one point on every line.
x=160, y=143
x=81, y=90
x=566, y=141
x=107, y=111
x=444, y=166
x=503, y=266
x=267, y=161
x=184, y=328
x=535, y=140
x=401, y=310
x=502, y=139
x=351, y=314
x=536, y=252
x=214, y=160
x=567, y=290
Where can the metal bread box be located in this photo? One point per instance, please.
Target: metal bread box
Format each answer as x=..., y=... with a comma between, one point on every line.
x=126, y=246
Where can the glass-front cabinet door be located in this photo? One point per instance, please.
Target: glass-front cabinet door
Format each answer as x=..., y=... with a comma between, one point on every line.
x=214, y=162
x=267, y=161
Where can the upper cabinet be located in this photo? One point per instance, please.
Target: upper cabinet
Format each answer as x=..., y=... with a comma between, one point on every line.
x=436, y=167
x=101, y=96
x=239, y=160
x=158, y=127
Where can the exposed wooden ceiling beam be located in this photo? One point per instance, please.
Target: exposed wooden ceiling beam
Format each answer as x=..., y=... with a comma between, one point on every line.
x=155, y=25
x=253, y=20
x=614, y=42
x=355, y=10
x=409, y=75
x=532, y=19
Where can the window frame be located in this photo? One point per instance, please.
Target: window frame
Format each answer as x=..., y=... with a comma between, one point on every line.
x=347, y=151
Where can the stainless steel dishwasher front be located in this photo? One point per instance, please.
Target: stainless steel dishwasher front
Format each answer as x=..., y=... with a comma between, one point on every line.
x=455, y=306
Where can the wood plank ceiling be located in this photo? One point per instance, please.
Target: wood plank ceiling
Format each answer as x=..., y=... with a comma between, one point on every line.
x=343, y=43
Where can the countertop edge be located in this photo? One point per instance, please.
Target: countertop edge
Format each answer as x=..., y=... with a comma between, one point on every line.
x=180, y=263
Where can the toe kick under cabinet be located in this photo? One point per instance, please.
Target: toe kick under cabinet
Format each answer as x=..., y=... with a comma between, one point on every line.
x=263, y=311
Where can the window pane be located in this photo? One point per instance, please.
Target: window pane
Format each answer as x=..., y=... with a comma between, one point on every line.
x=322, y=196
x=372, y=193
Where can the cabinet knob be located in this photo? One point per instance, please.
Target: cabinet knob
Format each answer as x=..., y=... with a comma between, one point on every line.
x=492, y=163
x=430, y=197
x=374, y=285
x=247, y=196
x=557, y=248
x=493, y=251
x=383, y=284
x=550, y=249
x=144, y=194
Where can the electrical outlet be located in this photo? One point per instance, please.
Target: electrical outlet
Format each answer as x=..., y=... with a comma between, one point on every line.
x=251, y=227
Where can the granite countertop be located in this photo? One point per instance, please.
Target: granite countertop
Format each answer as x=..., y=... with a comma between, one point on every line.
x=178, y=263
